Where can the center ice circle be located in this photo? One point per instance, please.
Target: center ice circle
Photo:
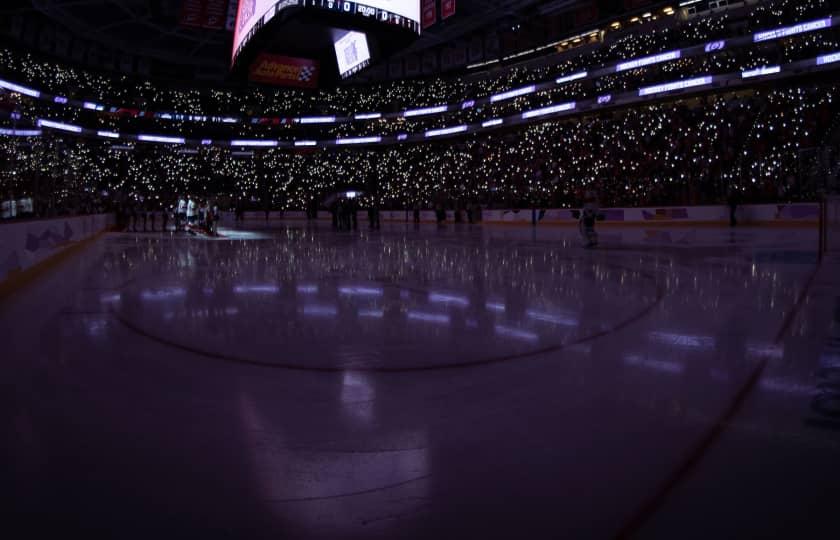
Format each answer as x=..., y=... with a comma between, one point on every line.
x=389, y=303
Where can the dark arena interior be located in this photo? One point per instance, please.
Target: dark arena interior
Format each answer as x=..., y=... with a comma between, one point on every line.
x=410, y=269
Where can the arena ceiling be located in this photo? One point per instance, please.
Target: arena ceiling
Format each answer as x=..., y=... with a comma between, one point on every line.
x=151, y=28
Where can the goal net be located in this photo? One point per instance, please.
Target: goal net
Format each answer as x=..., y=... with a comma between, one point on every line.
x=830, y=224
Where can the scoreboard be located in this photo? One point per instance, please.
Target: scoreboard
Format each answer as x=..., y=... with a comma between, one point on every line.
x=252, y=15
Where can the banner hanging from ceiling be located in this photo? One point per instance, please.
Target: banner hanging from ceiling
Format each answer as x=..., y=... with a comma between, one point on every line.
x=210, y=14
x=428, y=13
x=447, y=8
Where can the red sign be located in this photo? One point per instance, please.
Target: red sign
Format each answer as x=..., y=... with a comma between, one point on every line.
x=447, y=8
x=429, y=13
x=210, y=14
x=284, y=71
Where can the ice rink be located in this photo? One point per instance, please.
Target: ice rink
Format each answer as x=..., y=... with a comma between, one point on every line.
x=455, y=382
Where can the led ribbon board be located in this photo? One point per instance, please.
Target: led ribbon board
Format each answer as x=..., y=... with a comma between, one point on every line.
x=648, y=60
x=801, y=28
x=678, y=85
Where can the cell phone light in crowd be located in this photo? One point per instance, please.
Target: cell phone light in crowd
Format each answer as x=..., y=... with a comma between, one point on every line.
x=572, y=77
x=549, y=110
x=254, y=143
x=648, y=60
x=161, y=139
x=758, y=72
x=828, y=59
x=359, y=140
x=425, y=111
x=510, y=94
x=788, y=31
x=316, y=120
x=59, y=126
x=678, y=85
x=31, y=92
x=445, y=131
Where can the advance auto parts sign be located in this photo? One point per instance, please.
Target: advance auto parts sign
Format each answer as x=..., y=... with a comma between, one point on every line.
x=285, y=71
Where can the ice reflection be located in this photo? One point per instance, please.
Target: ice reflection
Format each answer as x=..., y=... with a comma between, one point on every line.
x=441, y=298
x=553, y=318
x=664, y=366
x=360, y=291
x=516, y=333
x=313, y=310
x=428, y=317
x=683, y=340
x=264, y=289
x=163, y=294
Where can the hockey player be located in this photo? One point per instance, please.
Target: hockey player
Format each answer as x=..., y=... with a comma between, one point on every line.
x=588, y=216
x=191, y=210
x=180, y=213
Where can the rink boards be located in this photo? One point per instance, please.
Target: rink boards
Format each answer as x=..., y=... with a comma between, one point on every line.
x=756, y=214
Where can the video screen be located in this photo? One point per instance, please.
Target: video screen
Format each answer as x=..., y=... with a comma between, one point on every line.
x=352, y=52
x=251, y=12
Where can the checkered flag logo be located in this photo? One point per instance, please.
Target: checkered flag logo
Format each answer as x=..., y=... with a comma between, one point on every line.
x=306, y=73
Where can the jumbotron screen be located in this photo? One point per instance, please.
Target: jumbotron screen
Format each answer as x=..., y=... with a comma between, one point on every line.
x=252, y=13
x=352, y=53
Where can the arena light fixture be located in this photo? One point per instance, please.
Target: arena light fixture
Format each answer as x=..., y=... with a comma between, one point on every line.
x=510, y=94
x=787, y=31
x=678, y=85
x=446, y=131
x=59, y=126
x=648, y=60
x=491, y=123
x=549, y=110
x=254, y=143
x=60, y=99
x=91, y=106
x=206, y=142
x=758, y=72
x=426, y=110
x=161, y=139
x=306, y=143
x=25, y=90
x=359, y=140
x=108, y=134
x=368, y=116
x=572, y=77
